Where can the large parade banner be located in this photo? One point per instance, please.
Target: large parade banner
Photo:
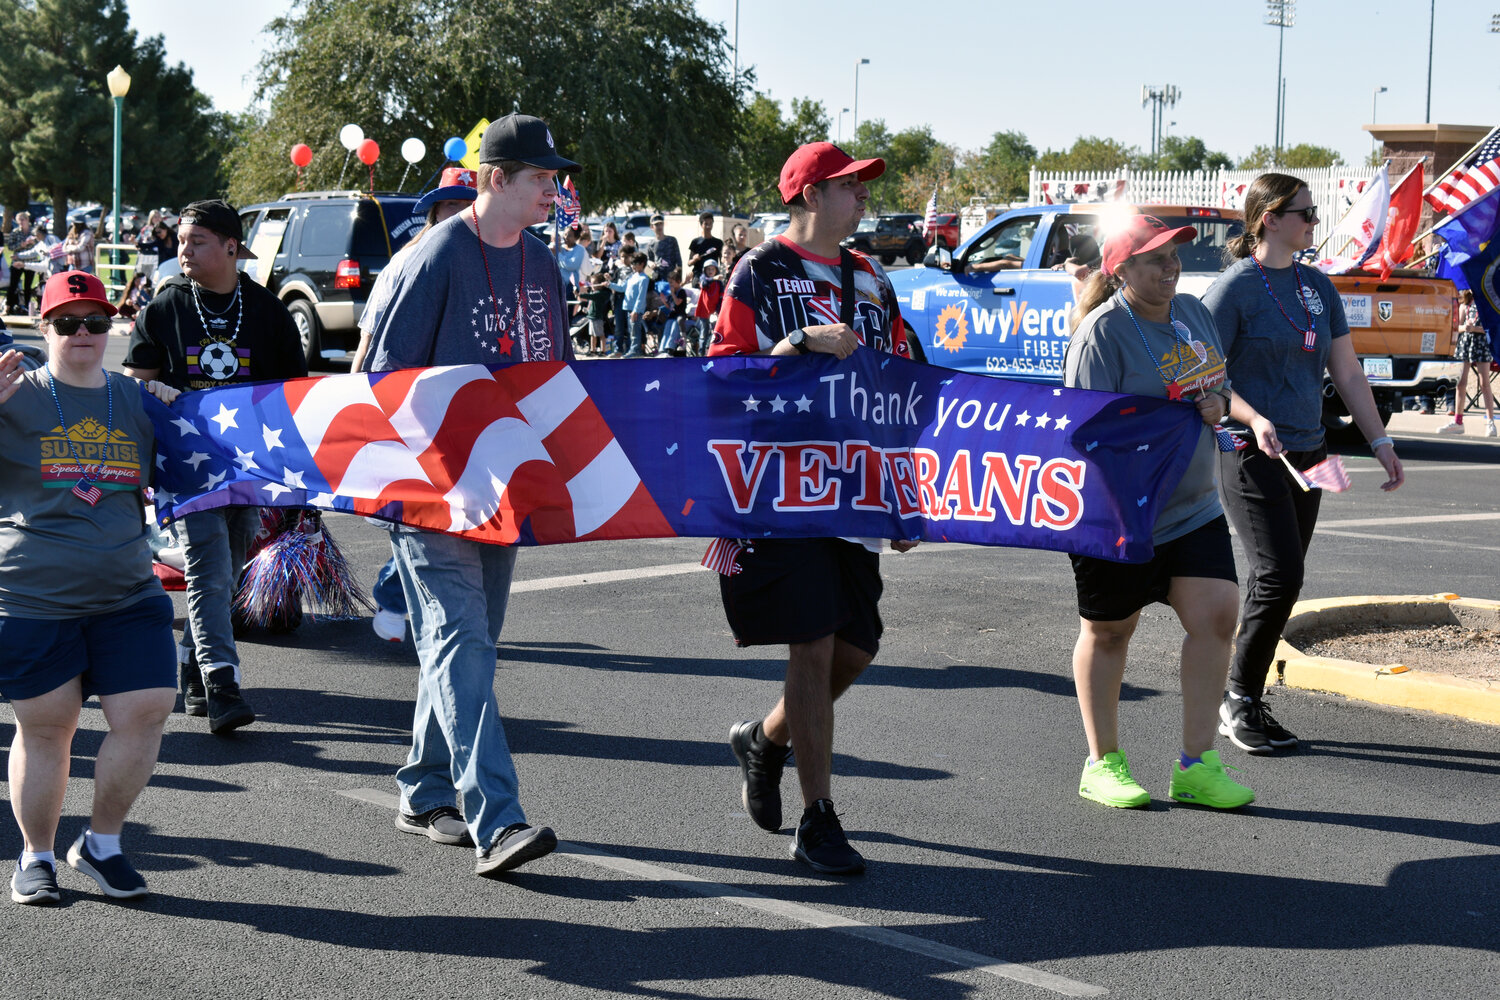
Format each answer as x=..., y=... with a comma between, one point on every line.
x=740, y=447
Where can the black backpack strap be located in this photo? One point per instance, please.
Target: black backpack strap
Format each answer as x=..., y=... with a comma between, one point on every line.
x=846, y=288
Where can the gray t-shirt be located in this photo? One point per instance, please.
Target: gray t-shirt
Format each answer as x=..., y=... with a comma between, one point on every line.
x=59, y=556
x=442, y=310
x=1267, y=363
x=1107, y=352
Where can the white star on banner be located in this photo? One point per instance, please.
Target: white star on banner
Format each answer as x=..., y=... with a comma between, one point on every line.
x=1022, y=417
x=225, y=418
x=272, y=438
x=1061, y=422
x=1041, y=421
x=275, y=489
x=161, y=462
x=751, y=403
x=184, y=427
x=321, y=500
x=293, y=478
x=196, y=459
x=778, y=405
x=214, y=479
x=803, y=405
x=245, y=459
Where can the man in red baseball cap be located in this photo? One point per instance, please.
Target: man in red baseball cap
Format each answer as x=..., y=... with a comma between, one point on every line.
x=818, y=596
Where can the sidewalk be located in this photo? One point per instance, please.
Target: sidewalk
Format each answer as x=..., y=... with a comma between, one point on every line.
x=1409, y=422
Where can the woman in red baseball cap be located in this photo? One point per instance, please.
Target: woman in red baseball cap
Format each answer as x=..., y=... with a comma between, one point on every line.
x=1134, y=334
x=81, y=613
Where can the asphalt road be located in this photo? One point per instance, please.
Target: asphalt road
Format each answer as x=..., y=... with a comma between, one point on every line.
x=1368, y=867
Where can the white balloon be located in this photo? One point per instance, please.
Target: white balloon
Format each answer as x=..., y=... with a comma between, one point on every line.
x=350, y=136
x=412, y=150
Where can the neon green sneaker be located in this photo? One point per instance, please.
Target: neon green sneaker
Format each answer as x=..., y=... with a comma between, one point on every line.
x=1108, y=781
x=1207, y=784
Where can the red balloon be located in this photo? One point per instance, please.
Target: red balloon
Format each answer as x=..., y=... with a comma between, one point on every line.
x=301, y=154
x=369, y=152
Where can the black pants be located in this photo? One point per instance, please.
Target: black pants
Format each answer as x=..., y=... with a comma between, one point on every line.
x=1274, y=519
x=622, y=322
x=23, y=277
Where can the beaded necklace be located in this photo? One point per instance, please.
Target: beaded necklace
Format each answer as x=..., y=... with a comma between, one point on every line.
x=84, y=489
x=1309, y=335
x=504, y=339
x=238, y=316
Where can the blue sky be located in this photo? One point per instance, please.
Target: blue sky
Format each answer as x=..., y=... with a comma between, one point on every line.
x=970, y=69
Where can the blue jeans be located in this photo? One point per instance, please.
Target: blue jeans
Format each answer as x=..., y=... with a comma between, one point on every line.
x=670, y=334
x=457, y=591
x=387, y=591
x=214, y=544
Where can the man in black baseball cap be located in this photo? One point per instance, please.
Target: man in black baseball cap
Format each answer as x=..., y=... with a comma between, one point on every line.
x=217, y=215
x=523, y=139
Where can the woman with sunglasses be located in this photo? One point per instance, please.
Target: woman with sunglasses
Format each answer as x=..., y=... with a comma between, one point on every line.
x=79, y=451
x=1282, y=325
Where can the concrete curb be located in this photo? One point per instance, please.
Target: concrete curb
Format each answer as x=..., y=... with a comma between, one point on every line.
x=1391, y=684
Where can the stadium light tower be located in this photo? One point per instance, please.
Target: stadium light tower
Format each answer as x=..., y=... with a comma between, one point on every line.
x=1281, y=15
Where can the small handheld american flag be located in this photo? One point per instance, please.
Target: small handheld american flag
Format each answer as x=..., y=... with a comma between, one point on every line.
x=929, y=223
x=88, y=492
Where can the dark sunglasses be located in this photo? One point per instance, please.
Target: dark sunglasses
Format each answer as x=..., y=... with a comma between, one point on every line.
x=1309, y=214
x=67, y=326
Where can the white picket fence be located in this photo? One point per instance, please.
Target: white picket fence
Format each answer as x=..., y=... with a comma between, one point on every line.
x=1333, y=189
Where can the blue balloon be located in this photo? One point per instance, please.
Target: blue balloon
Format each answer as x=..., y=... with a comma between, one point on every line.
x=455, y=148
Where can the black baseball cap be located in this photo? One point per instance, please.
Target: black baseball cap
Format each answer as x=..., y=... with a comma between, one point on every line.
x=523, y=138
x=220, y=217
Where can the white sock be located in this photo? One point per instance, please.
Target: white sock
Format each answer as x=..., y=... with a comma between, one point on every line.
x=102, y=845
x=29, y=858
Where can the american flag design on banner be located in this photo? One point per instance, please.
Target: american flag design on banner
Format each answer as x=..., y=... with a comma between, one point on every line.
x=1472, y=179
x=871, y=446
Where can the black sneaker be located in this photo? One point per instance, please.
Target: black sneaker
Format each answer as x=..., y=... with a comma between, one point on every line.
x=227, y=708
x=1251, y=727
x=115, y=875
x=761, y=763
x=820, y=842
x=443, y=825
x=190, y=683
x=516, y=845
x=36, y=884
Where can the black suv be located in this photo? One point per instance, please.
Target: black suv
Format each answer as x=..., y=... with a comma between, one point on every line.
x=889, y=236
x=320, y=252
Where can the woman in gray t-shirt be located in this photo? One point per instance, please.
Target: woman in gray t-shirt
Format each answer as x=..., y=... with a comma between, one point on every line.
x=1139, y=336
x=1282, y=324
x=80, y=612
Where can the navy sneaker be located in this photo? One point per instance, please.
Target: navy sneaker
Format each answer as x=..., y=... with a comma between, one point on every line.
x=1251, y=726
x=36, y=884
x=761, y=764
x=443, y=825
x=820, y=842
x=115, y=875
x=516, y=845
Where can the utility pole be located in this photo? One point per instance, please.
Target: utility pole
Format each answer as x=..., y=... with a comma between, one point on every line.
x=1281, y=15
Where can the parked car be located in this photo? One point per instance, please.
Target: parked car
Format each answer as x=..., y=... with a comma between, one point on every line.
x=889, y=236
x=320, y=252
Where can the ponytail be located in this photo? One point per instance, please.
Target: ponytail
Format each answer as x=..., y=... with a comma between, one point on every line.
x=1096, y=291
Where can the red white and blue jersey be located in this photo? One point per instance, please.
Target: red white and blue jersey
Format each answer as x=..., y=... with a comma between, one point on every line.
x=779, y=286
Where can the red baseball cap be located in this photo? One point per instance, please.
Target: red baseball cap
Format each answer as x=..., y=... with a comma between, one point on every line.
x=819, y=161
x=1141, y=234
x=74, y=286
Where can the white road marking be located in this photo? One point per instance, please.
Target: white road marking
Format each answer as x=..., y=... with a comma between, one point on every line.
x=800, y=914
x=1414, y=541
x=1371, y=522
x=604, y=576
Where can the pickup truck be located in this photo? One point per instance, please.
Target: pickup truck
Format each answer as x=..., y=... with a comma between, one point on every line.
x=889, y=236
x=1003, y=306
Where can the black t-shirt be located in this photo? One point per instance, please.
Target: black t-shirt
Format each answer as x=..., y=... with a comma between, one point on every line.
x=169, y=336
x=704, y=247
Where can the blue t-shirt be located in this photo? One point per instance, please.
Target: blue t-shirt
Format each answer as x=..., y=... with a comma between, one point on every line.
x=445, y=308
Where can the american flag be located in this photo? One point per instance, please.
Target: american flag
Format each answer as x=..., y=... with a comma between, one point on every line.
x=508, y=454
x=568, y=204
x=930, y=222
x=1478, y=174
x=1328, y=475
x=88, y=492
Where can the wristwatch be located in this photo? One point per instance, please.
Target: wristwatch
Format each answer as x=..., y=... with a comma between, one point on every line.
x=798, y=339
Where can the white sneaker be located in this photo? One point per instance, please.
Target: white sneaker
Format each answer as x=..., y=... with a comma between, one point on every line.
x=1489, y=428
x=388, y=625
x=1453, y=428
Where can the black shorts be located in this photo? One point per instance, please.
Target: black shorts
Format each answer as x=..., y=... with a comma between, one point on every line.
x=1113, y=591
x=801, y=589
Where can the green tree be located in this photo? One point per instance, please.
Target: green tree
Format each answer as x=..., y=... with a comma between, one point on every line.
x=905, y=153
x=637, y=91
x=58, y=118
x=1001, y=171
x=766, y=140
x=1187, y=153
x=1089, y=153
x=1304, y=155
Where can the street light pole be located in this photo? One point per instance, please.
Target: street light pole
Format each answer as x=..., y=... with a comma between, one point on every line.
x=862, y=62
x=1373, y=98
x=842, y=112
x=119, y=85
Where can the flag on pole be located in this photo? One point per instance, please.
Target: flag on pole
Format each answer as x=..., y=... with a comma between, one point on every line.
x=568, y=203
x=929, y=223
x=1328, y=474
x=1476, y=175
x=1401, y=224
x=1354, y=239
x=1464, y=236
